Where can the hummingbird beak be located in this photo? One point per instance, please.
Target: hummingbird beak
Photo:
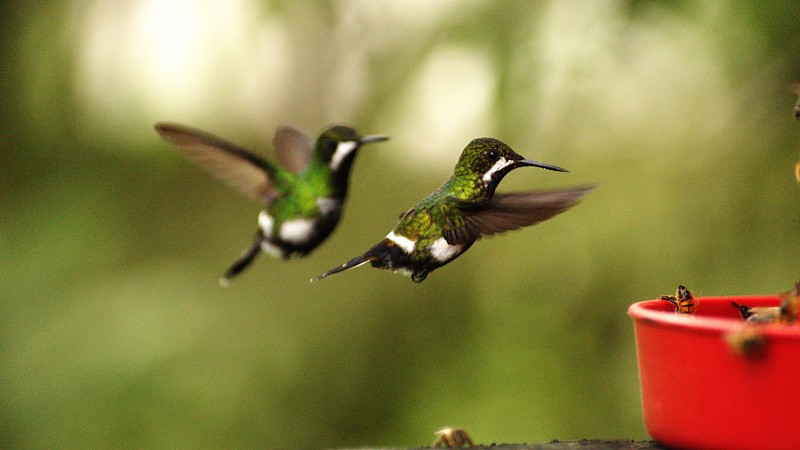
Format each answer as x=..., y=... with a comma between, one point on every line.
x=528, y=162
x=374, y=138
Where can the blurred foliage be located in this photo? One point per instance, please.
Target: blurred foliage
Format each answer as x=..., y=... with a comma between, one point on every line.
x=114, y=332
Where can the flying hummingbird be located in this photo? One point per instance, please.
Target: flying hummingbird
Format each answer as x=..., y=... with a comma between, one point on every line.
x=304, y=193
x=447, y=222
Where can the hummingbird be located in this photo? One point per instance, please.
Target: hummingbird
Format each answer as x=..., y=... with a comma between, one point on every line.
x=447, y=222
x=303, y=193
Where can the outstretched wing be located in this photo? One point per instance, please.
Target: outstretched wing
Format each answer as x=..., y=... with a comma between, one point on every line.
x=238, y=167
x=468, y=222
x=292, y=147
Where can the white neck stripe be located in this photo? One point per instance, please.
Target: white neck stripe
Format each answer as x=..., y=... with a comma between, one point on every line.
x=501, y=164
x=342, y=150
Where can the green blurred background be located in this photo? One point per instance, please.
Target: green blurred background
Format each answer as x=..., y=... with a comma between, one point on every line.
x=114, y=332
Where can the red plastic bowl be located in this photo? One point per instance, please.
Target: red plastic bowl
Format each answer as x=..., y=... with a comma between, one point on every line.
x=698, y=393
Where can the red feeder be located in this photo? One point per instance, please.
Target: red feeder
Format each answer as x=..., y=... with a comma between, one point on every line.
x=711, y=381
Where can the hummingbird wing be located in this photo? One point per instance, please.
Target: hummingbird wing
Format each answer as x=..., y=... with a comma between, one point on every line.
x=292, y=147
x=238, y=167
x=508, y=212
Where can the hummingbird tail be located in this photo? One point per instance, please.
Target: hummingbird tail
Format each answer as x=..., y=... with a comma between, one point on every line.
x=355, y=262
x=247, y=257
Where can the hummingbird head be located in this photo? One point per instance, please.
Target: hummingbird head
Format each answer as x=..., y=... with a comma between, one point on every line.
x=490, y=160
x=337, y=146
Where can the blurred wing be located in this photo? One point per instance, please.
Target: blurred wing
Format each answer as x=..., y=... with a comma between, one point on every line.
x=292, y=147
x=509, y=212
x=236, y=166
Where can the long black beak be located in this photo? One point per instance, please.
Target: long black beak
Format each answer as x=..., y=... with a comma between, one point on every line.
x=528, y=162
x=374, y=138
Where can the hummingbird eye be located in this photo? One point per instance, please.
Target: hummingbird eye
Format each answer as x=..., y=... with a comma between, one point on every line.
x=491, y=155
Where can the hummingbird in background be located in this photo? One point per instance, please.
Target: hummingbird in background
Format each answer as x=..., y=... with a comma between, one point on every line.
x=303, y=194
x=447, y=222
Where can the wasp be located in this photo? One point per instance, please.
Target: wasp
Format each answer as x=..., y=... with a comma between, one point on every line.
x=758, y=314
x=790, y=307
x=746, y=341
x=786, y=313
x=452, y=437
x=683, y=300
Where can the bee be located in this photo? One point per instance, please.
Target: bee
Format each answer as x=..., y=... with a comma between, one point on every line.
x=746, y=341
x=797, y=172
x=758, y=314
x=452, y=437
x=794, y=291
x=789, y=309
x=786, y=313
x=683, y=300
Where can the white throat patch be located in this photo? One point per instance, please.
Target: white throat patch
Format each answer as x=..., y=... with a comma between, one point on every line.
x=500, y=164
x=342, y=150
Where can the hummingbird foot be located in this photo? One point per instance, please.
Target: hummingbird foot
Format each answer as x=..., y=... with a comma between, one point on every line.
x=240, y=264
x=418, y=276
